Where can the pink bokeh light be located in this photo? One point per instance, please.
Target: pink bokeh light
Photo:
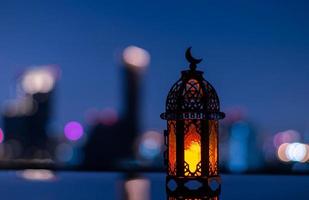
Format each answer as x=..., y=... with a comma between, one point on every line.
x=73, y=131
x=1, y=136
x=288, y=136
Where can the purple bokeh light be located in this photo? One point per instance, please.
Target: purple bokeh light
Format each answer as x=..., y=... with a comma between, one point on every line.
x=1, y=136
x=73, y=130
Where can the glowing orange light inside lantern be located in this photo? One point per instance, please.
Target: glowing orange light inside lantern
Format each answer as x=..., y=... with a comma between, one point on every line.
x=192, y=150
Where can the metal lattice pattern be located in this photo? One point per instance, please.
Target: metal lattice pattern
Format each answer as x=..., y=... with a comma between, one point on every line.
x=197, y=172
x=213, y=148
x=171, y=147
x=213, y=104
x=192, y=97
x=171, y=101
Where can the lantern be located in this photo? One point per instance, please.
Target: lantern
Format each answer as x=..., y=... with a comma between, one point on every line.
x=191, y=138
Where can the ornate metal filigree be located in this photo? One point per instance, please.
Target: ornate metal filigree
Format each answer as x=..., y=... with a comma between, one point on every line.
x=213, y=148
x=171, y=148
x=192, y=97
x=196, y=173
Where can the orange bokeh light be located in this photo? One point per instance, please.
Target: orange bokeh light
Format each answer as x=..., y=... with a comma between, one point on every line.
x=281, y=152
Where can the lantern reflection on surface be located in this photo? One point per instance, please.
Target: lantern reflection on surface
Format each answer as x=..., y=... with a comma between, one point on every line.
x=193, y=198
x=191, y=138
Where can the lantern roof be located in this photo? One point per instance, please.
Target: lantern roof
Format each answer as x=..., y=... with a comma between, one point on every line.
x=192, y=97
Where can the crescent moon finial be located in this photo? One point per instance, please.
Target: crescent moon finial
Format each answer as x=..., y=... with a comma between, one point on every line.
x=193, y=61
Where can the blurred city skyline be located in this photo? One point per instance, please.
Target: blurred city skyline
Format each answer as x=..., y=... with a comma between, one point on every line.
x=254, y=53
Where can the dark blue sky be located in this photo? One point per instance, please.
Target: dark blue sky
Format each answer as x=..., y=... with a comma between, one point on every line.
x=255, y=53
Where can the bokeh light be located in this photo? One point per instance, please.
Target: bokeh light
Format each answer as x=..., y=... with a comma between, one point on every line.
x=73, y=130
x=238, y=154
x=22, y=106
x=296, y=152
x=108, y=116
x=1, y=135
x=136, y=57
x=288, y=136
x=137, y=189
x=150, y=145
x=281, y=152
x=37, y=175
x=306, y=158
x=38, y=80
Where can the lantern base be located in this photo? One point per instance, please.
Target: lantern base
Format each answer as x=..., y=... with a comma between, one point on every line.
x=186, y=187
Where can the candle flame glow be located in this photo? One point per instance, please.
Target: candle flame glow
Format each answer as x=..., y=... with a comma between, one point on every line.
x=193, y=155
x=192, y=150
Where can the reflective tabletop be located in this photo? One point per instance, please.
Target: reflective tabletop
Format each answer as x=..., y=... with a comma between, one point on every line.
x=47, y=185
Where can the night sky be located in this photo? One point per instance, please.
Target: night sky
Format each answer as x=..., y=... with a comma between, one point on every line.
x=255, y=53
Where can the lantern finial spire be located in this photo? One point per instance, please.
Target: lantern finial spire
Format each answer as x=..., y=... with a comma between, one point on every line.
x=193, y=61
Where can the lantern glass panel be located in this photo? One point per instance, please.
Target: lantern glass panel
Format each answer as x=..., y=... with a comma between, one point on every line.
x=213, y=147
x=192, y=148
x=172, y=147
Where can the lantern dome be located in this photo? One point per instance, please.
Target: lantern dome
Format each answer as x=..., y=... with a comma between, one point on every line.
x=192, y=97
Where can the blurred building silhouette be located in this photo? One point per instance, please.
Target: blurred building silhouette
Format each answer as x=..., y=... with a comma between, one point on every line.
x=30, y=130
x=109, y=145
x=26, y=118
